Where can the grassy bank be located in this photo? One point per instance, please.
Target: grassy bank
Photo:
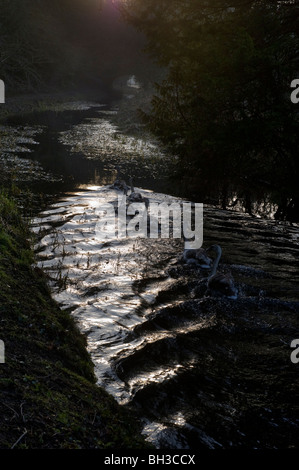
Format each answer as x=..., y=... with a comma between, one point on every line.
x=48, y=394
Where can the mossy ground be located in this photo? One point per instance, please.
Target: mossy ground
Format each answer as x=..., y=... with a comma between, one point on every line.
x=49, y=398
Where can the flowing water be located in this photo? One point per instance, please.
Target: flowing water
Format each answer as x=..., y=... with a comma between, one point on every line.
x=201, y=371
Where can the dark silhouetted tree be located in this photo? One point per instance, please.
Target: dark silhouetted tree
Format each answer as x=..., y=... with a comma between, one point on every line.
x=225, y=105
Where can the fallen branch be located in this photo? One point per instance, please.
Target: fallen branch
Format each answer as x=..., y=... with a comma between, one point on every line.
x=20, y=438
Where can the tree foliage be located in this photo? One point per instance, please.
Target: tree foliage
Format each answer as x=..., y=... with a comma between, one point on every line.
x=44, y=41
x=225, y=106
x=62, y=42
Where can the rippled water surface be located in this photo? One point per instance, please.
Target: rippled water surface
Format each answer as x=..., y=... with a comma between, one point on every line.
x=202, y=371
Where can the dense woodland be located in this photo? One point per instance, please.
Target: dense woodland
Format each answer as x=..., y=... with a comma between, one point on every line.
x=225, y=105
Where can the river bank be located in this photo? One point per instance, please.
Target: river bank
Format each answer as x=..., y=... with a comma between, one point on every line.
x=49, y=396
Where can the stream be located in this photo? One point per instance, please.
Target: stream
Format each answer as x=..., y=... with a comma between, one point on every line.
x=202, y=372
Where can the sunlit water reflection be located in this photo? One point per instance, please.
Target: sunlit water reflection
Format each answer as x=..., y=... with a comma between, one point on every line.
x=202, y=372
x=97, y=277
x=192, y=365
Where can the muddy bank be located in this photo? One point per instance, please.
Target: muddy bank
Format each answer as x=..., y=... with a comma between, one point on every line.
x=48, y=394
